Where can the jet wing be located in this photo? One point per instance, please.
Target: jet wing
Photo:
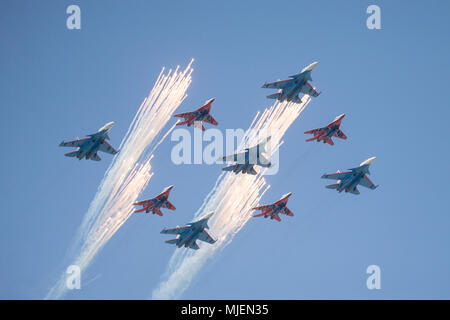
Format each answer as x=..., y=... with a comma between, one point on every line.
x=365, y=182
x=309, y=90
x=266, y=210
x=336, y=176
x=282, y=201
x=106, y=147
x=208, y=118
x=236, y=157
x=313, y=131
x=74, y=143
x=177, y=230
x=185, y=115
x=146, y=203
x=287, y=212
x=204, y=236
x=278, y=84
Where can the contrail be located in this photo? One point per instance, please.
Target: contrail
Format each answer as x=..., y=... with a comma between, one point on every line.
x=129, y=172
x=231, y=199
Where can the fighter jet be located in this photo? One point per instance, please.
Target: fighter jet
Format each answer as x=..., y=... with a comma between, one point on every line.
x=272, y=210
x=290, y=89
x=349, y=180
x=325, y=133
x=187, y=236
x=244, y=161
x=88, y=147
x=154, y=204
x=196, y=117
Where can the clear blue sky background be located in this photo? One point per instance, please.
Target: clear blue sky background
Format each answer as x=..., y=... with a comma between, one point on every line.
x=392, y=83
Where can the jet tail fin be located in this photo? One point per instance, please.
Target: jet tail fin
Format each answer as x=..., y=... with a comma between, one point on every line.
x=274, y=96
x=157, y=211
x=231, y=168
x=172, y=241
x=71, y=154
x=332, y=186
x=140, y=210
x=199, y=125
x=297, y=99
x=313, y=138
x=259, y=215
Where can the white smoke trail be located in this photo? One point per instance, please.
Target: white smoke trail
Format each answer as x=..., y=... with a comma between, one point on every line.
x=129, y=172
x=231, y=199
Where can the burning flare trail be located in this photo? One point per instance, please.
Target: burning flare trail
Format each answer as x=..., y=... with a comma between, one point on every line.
x=231, y=199
x=129, y=172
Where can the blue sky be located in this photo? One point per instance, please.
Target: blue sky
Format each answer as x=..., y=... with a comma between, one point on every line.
x=58, y=84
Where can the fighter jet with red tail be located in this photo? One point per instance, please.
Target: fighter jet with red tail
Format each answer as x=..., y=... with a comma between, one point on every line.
x=272, y=210
x=154, y=204
x=326, y=133
x=198, y=116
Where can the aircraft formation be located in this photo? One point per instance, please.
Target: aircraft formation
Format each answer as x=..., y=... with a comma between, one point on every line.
x=243, y=162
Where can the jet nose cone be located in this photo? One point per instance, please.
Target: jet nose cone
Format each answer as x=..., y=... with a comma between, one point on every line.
x=368, y=161
x=210, y=101
x=339, y=117
x=287, y=195
x=310, y=67
x=208, y=215
x=107, y=126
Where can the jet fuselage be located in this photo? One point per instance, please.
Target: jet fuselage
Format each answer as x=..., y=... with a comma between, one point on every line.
x=91, y=146
x=191, y=234
x=351, y=182
x=293, y=90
